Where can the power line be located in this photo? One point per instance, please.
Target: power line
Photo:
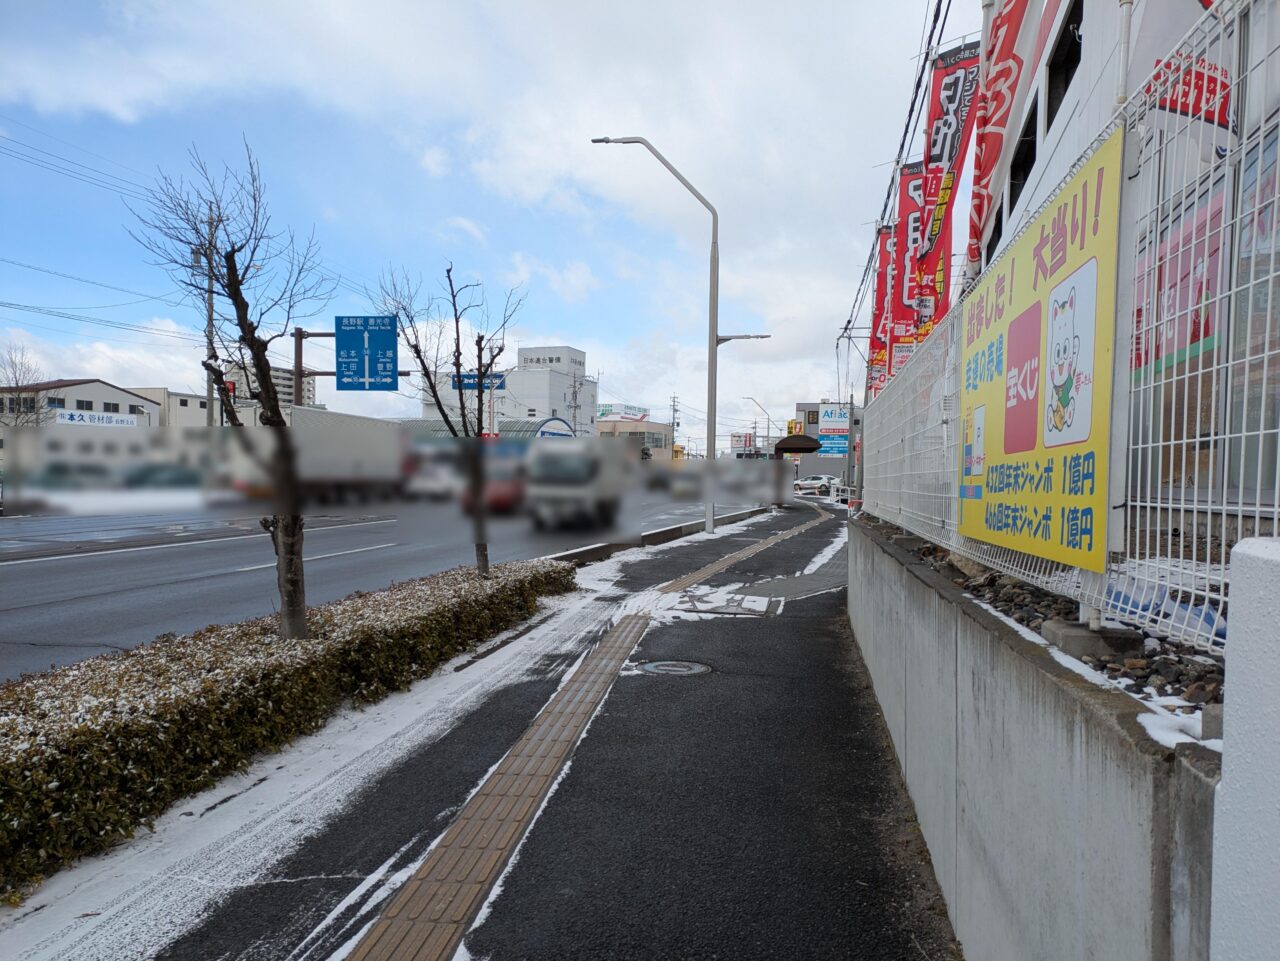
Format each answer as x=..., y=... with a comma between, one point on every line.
x=938, y=25
x=100, y=321
x=94, y=283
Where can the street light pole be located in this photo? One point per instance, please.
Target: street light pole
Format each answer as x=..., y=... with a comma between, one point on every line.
x=713, y=307
x=767, y=419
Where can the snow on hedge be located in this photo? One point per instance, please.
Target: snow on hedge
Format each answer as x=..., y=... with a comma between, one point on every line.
x=90, y=750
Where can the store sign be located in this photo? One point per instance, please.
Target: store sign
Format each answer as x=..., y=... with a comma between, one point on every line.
x=908, y=233
x=878, y=339
x=996, y=97
x=1038, y=334
x=622, y=411
x=90, y=419
x=948, y=126
x=833, y=430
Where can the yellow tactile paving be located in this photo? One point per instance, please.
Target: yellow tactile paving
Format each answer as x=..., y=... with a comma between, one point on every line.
x=715, y=567
x=427, y=918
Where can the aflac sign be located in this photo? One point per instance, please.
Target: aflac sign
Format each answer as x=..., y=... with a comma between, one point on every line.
x=833, y=430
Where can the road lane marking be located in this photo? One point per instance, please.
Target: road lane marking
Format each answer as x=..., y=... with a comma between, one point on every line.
x=318, y=557
x=161, y=547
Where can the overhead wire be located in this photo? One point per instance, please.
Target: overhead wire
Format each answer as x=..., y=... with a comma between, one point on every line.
x=908, y=132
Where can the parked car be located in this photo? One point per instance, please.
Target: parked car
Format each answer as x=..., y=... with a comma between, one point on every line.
x=816, y=484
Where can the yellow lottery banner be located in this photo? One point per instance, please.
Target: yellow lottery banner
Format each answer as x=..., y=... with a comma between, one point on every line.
x=1038, y=336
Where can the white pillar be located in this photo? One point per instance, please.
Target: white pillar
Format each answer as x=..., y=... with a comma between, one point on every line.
x=1245, y=923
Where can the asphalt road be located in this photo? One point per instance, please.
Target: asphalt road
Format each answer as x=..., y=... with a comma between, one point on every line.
x=73, y=587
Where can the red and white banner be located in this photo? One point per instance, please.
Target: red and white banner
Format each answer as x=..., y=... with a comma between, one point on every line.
x=996, y=97
x=908, y=232
x=948, y=125
x=878, y=340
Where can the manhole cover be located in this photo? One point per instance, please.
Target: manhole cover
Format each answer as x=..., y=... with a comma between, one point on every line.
x=678, y=668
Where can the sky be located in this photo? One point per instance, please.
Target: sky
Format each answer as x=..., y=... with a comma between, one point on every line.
x=418, y=134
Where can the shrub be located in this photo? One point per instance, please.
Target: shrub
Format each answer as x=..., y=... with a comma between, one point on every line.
x=90, y=751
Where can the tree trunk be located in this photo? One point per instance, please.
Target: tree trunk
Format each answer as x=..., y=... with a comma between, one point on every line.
x=477, y=467
x=478, y=506
x=286, y=527
x=289, y=580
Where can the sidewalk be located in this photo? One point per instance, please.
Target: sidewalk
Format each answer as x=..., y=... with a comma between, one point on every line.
x=740, y=803
x=548, y=797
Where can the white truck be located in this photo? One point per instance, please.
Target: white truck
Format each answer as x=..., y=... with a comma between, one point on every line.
x=575, y=479
x=340, y=456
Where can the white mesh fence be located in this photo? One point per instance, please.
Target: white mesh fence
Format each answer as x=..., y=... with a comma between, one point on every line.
x=1198, y=317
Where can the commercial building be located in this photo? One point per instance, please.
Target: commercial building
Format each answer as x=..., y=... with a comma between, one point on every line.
x=178, y=409
x=642, y=432
x=546, y=382
x=244, y=384
x=87, y=401
x=833, y=424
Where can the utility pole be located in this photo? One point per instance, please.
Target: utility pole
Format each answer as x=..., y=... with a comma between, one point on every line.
x=675, y=417
x=211, y=353
x=573, y=403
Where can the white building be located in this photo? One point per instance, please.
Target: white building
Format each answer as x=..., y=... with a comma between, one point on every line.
x=178, y=409
x=84, y=401
x=246, y=383
x=546, y=382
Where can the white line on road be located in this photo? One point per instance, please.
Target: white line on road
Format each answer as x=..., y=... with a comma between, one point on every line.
x=318, y=557
x=160, y=547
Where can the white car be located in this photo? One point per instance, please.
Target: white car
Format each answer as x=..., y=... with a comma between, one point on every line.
x=819, y=484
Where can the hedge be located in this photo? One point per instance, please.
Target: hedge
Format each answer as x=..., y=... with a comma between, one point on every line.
x=90, y=751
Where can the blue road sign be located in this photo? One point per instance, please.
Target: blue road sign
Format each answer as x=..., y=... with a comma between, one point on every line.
x=472, y=381
x=367, y=353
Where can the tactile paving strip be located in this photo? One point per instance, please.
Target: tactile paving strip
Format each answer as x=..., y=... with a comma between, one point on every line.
x=715, y=567
x=429, y=915
x=427, y=918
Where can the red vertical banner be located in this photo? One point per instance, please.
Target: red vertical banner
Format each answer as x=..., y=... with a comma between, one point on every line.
x=948, y=126
x=996, y=97
x=878, y=341
x=908, y=232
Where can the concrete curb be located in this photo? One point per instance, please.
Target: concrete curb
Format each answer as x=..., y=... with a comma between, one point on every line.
x=599, y=552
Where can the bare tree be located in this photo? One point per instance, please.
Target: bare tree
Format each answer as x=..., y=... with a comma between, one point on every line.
x=440, y=332
x=265, y=279
x=24, y=398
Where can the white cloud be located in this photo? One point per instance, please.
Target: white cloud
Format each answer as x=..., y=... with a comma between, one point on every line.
x=470, y=228
x=435, y=161
x=571, y=283
x=781, y=121
x=133, y=360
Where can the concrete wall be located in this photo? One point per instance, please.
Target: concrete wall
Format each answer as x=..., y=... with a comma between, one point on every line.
x=1057, y=828
x=1246, y=925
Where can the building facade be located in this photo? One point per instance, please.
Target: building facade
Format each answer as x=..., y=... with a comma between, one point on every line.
x=546, y=382
x=644, y=433
x=79, y=401
x=178, y=409
x=243, y=383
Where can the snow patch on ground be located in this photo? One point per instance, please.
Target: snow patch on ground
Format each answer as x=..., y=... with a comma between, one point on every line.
x=827, y=553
